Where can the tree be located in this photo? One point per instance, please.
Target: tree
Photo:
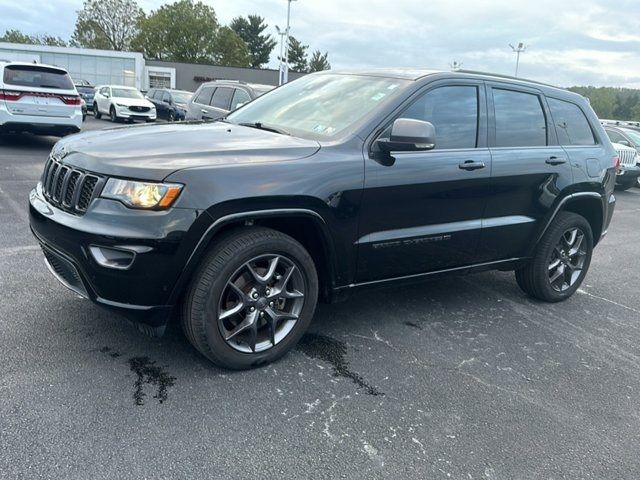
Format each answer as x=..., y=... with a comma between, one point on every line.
x=319, y=61
x=16, y=36
x=183, y=31
x=260, y=45
x=107, y=24
x=297, y=55
x=230, y=49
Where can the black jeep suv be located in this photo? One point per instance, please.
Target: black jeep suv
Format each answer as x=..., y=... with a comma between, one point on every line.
x=332, y=182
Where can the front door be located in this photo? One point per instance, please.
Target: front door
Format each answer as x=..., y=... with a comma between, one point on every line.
x=423, y=211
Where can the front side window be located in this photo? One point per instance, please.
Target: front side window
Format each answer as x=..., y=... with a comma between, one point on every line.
x=520, y=119
x=166, y=98
x=453, y=111
x=571, y=124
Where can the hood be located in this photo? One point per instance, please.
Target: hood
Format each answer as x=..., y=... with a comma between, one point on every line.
x=138, y=102
x=152, y=152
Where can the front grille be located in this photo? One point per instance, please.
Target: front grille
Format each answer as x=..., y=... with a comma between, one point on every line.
x=627, y=157
x=135, y=108
x=67, y=188
x=64, y=271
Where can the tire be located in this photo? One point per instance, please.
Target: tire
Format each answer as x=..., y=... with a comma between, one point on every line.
x=622, y=185
x=171, y=117
x=535, y=279
x=96, y=112
x=113, y=115
x=638, y=182
x=223, y=284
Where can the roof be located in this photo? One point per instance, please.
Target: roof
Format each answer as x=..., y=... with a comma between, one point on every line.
x=31, y=64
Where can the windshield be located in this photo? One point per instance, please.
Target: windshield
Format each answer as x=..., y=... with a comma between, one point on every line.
x=85, y=90
x=181, y=97
x=126, y=93
x=634, y=136
x=319, y=106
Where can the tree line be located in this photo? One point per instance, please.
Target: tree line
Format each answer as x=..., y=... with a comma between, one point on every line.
x=183, y=31
x=612, y=103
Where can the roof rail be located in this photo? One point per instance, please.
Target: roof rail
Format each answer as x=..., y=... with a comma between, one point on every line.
x=509, y=77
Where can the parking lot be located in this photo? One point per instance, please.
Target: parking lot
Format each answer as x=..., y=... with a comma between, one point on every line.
x=460, y=377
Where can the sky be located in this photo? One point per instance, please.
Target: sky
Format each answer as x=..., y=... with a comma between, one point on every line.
x=569, y=42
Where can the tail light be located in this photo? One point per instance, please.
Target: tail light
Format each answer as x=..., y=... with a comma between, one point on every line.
x=14, y=96
x=616, y=163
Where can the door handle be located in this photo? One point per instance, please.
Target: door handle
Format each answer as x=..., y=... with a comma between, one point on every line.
x=471, y=165
x=553, y=160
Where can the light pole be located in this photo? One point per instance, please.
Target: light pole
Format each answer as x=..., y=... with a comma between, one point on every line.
x=284, y=64
x=455, y=65
x=518, y=50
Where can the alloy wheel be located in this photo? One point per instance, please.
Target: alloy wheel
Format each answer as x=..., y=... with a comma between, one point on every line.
x=567, y=260
x=261, y=303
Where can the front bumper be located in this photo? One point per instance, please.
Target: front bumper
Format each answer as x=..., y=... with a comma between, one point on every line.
x=124, y=112
x=143, y=292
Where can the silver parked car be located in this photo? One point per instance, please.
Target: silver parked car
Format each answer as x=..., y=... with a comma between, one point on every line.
x=214, y=100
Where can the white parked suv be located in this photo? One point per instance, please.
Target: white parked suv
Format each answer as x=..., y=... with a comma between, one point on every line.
x=38, y=98
x=122, y=103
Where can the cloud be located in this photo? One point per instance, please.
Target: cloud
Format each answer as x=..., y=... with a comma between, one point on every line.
x=569, y=42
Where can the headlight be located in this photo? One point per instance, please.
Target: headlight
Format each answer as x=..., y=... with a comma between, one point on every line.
x=152, y=196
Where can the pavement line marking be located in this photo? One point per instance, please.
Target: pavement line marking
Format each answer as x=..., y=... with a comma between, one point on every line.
x=6, y=252
x=584, y=292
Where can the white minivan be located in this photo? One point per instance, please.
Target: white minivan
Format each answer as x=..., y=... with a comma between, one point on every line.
x=38, y=98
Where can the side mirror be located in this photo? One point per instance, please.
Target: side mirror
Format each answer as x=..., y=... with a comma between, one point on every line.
x=409, y=135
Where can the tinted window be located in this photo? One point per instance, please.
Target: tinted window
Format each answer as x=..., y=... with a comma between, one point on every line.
x=151, y=93
x=615, y=137
x=166, y=97
x=571, y=124
x=204, y=96
x=37, y=76
x=239, y=98
x=222, y=98
x=520, y=120
x=453, y=111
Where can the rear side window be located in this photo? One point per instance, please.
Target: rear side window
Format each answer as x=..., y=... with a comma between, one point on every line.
x=222, y=98
x=453, y=111
x=37, y=76
x=520, y=120
x=239, y=98
x=204, y=97
x=571, y=124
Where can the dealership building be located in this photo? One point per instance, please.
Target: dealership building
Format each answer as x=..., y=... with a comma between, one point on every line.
x=109, y=67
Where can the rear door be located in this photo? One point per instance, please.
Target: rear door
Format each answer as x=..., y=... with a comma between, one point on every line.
x=529, y=170
x=37, y=90
x=423, y=211
x=220, y=102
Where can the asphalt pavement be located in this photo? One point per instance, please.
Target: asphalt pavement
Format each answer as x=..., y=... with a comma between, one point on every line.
x=460, y=377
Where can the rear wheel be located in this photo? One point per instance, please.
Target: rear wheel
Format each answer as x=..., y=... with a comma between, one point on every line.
x=252, y=298
x=113, y=115
x=96, y=112
x=561, y=260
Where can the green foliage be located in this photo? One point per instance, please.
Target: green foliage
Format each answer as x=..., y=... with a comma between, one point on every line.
x=297, y=55
x=251, y=30
x=319, y=61
x=16, y=36
x=612, y=103
x=188, y=31
x=107, y=24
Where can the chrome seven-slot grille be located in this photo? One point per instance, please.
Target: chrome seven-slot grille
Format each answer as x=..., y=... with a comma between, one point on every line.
x=67, y=188
x=627, y=156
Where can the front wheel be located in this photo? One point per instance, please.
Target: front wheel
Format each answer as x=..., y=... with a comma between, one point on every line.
x=96, y=112
x=171, y=117
x=561, y=260
x=252, y=298
x=113, y=115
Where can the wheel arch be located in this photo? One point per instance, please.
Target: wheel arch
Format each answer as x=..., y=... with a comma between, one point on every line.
x=304, y=225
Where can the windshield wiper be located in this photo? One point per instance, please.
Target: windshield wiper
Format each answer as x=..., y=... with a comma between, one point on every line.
x=262, y=126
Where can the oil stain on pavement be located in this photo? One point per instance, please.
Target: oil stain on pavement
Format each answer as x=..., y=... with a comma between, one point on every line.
x=147, y=372
x=333, y=351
